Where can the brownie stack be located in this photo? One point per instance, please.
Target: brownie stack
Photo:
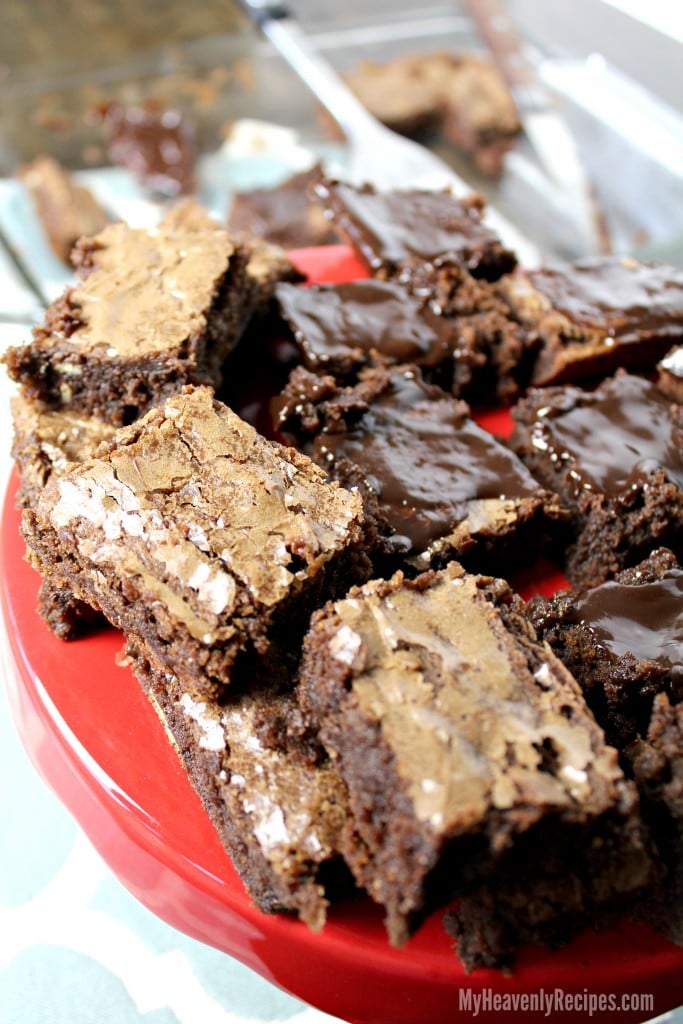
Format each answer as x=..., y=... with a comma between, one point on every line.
x=322, y=606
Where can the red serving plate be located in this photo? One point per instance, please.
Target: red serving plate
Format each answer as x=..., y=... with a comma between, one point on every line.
x=98, y=743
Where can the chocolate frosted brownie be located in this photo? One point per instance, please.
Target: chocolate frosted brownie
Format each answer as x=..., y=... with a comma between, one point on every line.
x=66, y=210
x=670, y=374
x=622, y=641
x=340, y=328
x=278, y=804
x=595, y=315
x=460, y=738
x=615, y=457
x=199, y=537
x=441, y=486
x=401, y=234
x=154, y=309
x=289, y=214
x=157, y=144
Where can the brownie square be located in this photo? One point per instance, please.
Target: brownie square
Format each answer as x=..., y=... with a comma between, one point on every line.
x=622, y=641
x=277, y=802
x=66, y=210
x=595, y=315
x=199, y=537
x=47, y=441
x=615, y=457
x=440, y=485
x=401, y=233
x=288, y=215
x=461, y=739
x=154, y=309
x=340, y=328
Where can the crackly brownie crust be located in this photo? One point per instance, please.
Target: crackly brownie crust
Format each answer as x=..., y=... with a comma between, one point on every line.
x=127, y=336
x=440, y=486
x=590, y=317
x=199, y=537
x=442, y=778
x=615, y=458
x=622, y=641
x=66, y=210
x=47, y=441
x=278, y=804
x=402, y=233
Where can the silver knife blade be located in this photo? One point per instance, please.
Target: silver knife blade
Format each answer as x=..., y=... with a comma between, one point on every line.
x=546, y=129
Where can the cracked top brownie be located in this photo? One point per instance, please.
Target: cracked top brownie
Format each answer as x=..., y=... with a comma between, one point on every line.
x=441, y=485
x=455, y=731
x=154, y=309
x=199, y=536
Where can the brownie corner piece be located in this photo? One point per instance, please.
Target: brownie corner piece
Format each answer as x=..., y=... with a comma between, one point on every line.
x=278, y=805
x=614, y=456
x=200, y=537
x=445, y=774
x=595, y=315
x=440, y=485
x=406, y=231
x=153, y=309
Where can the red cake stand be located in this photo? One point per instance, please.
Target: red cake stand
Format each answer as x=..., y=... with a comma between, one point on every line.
x=98, y=743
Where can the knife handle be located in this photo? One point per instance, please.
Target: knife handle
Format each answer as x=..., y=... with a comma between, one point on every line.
x=500, y=36
x=263, y=11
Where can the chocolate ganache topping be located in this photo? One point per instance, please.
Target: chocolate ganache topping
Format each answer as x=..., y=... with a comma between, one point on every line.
x=426, y=459
x=614, y=436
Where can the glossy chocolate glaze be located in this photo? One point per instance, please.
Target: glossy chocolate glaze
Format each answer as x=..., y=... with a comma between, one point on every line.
x=611, y=438
x=340, y=325
x=426, y=459
x=644, y=620
x=156, y=144
x=390, y=228
x=625, y=298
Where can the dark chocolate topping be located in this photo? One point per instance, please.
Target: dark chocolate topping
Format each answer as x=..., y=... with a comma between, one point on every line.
x=614, y=436
x=645, y=620
x=426, y=459
x=622, y=296
x=391, y=227
x=330, y=321
x=157, y=145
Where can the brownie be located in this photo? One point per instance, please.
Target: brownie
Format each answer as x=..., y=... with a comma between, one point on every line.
x=340, y=328
x=657, y=765
x=615, y=457
x=460, y=739
x=288, y=214
x=199, y=537
x=622, y=641
x=440, y=485
x=459, y=95
x=277, y=802
x=404, y=233
x=670, y=374
x=47, y=441
x=66, y=210
x=154, y=309
x=156, y=143
x=595, y=315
